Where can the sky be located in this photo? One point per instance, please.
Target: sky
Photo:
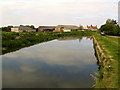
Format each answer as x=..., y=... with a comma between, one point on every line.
x=119, y=13
x=57, y=12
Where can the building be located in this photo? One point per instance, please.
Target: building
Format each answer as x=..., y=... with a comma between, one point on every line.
x=65, y=28
x=15, y=29
x=22, y=29
x=46, y=28
x=91, y=27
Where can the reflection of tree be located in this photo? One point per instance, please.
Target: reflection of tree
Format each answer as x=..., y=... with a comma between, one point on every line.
x=68, y=38
x=80, y=39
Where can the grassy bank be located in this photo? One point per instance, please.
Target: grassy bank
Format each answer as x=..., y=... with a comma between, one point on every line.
x=12, y=41
x=108, y=77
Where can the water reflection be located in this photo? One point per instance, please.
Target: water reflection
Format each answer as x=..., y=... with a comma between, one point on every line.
x=53, y=64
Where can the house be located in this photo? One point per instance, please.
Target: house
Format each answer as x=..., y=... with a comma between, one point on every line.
x=65, y=28
x=15, y=29
x=91, y=27
x=22, y=29
x=46, y=28
x=85, y=28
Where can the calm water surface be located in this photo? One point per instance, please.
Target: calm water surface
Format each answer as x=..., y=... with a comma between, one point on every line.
x=52, y=64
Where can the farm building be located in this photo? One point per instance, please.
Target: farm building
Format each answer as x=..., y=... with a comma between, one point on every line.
x=22, y=29
x=46, y=28
x=65, y=28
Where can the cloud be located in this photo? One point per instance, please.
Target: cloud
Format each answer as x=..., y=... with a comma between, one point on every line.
x=53, y=12
x=50, y=64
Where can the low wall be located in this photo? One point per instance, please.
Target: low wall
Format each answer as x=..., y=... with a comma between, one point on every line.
x=100, y=53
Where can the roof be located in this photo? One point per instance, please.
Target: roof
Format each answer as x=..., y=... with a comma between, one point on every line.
x=47, y=27
x=24, y=28
x=93, y=27
x=68, y=26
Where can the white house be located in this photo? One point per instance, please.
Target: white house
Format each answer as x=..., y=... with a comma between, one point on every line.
x=14, y=29
x=67, y=30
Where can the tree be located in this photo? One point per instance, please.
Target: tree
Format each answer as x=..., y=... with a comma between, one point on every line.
x=7, y=29
x=110, y=28
x=80, y=27
x=31, y=26
x=111, y=21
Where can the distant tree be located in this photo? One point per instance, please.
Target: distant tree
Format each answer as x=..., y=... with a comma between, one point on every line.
x=111, y=21
x=80, y=27
x=21, y=25
x=36, y=29
x=31, y=26
x=7, y=29
x=0, y=28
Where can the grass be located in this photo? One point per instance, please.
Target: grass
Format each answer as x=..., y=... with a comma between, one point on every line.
x=111, y=47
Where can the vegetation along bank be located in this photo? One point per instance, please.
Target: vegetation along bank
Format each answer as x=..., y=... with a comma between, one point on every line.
x=12, y=41
x=107, y=52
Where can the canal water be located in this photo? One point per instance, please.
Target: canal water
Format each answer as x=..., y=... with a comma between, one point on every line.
x=62, y=63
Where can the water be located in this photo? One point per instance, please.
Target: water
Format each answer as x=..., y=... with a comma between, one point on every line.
x=53, y=64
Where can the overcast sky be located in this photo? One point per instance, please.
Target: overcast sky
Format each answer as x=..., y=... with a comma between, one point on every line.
x=54, y=12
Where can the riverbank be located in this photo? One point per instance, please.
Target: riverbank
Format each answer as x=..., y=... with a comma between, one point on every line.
x=12, y=41
x=107, y=50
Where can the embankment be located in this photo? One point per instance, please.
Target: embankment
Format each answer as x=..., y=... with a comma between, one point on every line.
x=107, y=77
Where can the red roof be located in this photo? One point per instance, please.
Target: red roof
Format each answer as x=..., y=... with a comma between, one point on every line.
x=92, y=27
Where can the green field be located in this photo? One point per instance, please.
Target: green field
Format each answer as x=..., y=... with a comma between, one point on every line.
x=111, y=47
